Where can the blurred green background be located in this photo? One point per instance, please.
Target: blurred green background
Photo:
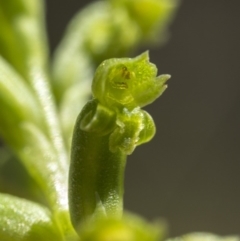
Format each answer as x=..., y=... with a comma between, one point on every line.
x=190, y=173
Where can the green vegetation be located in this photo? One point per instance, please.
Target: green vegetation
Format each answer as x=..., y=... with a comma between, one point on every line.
x=40, y=100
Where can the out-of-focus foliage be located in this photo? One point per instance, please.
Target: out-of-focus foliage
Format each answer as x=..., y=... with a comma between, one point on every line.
x=129, y=228
x=204, y=237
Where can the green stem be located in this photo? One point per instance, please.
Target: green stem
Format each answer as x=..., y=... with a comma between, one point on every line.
x=97, y=174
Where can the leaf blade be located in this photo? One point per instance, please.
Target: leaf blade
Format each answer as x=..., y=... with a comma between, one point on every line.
x=22, y=220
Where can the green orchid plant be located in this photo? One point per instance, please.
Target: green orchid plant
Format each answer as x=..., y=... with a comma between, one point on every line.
x=74, y=176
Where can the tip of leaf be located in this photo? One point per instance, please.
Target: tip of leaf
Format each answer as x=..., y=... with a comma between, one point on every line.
x=144, y=56
x=163, y=78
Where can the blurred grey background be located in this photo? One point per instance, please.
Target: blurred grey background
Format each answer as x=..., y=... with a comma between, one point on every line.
x=189, y=173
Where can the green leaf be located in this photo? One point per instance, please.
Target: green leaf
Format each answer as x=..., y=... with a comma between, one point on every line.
x=41, y=160
x=15, y=180
x=21, y=125
x=23, y=44
x=152, y=16
x=17, y=104
x=29, y=99
x=22, y=220
x=204, y=237
x=22, y=39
